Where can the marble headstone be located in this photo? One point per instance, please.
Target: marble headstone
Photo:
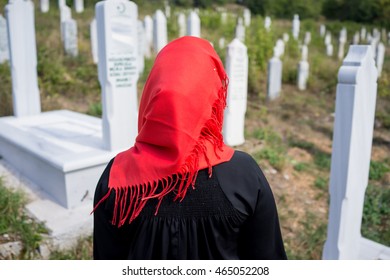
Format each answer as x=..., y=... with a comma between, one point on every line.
x=380, y=57
x=322, y=30
x=45, y=6
x=303, y=69
x=94, y=43
x=148, y=26
x=295, y=27
x=240, y=30
x=274, y=78
x=267, y=23
x=247, y=17
x=181, y=22
x=65, y=14
x=23, y=57
x=79, y=6
x=237, y=71
x=307, y=39
x=118, y=71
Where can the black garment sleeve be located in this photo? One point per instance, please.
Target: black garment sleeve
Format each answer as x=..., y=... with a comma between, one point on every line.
x=109, y=241
x=261, y=237
x=246, y=187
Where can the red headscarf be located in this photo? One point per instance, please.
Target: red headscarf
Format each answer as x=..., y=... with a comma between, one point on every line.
x=179, y=128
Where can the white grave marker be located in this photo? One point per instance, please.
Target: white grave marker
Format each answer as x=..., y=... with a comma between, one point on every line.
x=79, y=6
x=363, y=34
x=70, y=37
x=247, y=17
x=224, y=17
x=237, y=71
x=148, y=26
x=65, y=14
x=342, y=41
x=351, y=153
x=286, y=37
x=94, y=43
x=329, y=50
x=181, y=22
x=160, y=35
x=303, y=69
x=328, y=38
x=267, y=23
x=295, y=27
x=221, y=42
x=240, y=30
x=280, y=47
x=118, y=73
x=23, y=57
x=167, y=9
x=4, y=53
x=307, y=39
x=380, y=57
x=61, y=3
x=193, y=24
x=45, y=6
x=322, y=30
x=274, y=79
x=356, y=38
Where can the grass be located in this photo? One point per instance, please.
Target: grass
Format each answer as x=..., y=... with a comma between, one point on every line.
x=15, y=224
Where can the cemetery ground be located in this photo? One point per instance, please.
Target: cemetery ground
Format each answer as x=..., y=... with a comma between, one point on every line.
x=290, y=137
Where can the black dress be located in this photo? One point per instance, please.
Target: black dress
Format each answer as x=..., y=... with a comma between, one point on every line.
x=231, y=215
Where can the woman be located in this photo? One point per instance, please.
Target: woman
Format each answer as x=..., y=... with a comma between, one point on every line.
x=180, y=192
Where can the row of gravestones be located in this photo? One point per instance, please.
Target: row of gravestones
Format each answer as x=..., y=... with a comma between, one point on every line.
x=118, y=74
x=45, y=5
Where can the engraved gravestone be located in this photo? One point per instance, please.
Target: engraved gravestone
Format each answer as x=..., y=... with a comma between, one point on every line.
x=118, y=71
x=141, y=46
x=247, y=17
x=237, y=71
x=65, y=14
x=23, y=57
x=322, y=30
x=160, y=35
x=380, y=57
x=267, y=23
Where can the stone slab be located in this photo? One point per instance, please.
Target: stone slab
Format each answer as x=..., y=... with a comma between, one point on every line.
x=60, y=151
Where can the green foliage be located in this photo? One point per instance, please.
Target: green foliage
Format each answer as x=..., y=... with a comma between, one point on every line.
x=15, y=222
x=376, y=213
x=95, y=109
x=301, y=166
x=321, y=183
x=322, y=160
x=378, y=170
x=5, y=90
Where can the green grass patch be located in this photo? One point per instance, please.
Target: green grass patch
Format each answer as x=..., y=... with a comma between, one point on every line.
x=321, y=183
x=82, y=251
x=15, y=222
x=301, y=166
x=376, y=214
x=378, y=170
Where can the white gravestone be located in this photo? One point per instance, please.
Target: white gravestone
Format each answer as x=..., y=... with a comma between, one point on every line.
x=295, y=27
x=70, y=37
x=148, y=26
x=61, y=3
x=351, y=153
x=329, y=50
x=280, y=47
x=303, y=69
x=380, y=57
x=160, y=35
x=286, y=37
x=388, y=36
x=240, y=30
x=79, y=6
x=237, y=71
x=322, y=30
x=193, y=24
x=45, y=6
x=221, y=43
x=363, y=34
x=23, y=57
x=167, y=9
x=141, y=47
x=274, y=79
x=247, y=17
x=307, y=39
x=328, y=38
x=65, y=14
x=181, y=22
x=118, y=71
x=4, y=53
x=224, y=17
x=342, y=41
x=94, y=43
x=267, y=23
x=356, y=38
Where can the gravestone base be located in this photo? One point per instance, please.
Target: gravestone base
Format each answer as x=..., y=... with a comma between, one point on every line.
x=60, y=151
